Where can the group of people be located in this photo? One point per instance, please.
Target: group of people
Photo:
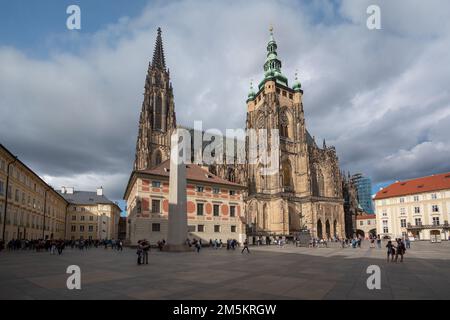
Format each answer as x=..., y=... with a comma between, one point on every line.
x=38, y=245
x=143, y=249
x=396, y=248
x=58, y=245
x=355, y=242
x=316, y=243
x=231, y=244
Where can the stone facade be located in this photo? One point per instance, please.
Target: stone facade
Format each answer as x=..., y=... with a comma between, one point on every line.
x=34, y=210
x=157, y=119
x=351, y=205
x=306, y=193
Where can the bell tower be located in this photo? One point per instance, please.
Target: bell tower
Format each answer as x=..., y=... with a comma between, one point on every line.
x=276, y=105
x=157, y=119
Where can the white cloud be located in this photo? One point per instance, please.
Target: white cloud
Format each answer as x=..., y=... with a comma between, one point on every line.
x=376, y=95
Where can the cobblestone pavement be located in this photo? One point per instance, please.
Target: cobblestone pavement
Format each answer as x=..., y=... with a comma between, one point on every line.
x=268, y=272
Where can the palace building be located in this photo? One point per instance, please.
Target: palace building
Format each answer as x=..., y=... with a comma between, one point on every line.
x=29, y=207
x=417, y=208
x=90, y=215
x=305, y=194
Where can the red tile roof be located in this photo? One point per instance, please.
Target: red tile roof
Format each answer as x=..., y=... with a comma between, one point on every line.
x=193, y=172
x=365, y=217
x=419, y=185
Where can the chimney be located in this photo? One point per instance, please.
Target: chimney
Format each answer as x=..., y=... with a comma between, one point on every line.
x=100, y=191
x=63, y=190
x=69, y=190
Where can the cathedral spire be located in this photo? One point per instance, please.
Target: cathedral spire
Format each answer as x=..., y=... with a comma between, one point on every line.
x=272, y=65
x=158, y=54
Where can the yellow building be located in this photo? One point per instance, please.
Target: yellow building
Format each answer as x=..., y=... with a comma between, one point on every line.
x=215, y=207
x=366, y=225
x=90, y=215
x=417, y=208
x=30, y=207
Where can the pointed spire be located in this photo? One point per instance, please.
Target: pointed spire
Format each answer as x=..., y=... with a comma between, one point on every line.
x=272, y=65
x=158, y=54
x=324, y=144
x=297, y=85
x=251, y=94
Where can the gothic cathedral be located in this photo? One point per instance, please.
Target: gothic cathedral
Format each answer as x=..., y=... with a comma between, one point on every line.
x=305, y=194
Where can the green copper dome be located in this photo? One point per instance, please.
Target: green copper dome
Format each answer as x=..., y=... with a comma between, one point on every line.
x=272, y=65
x=251, y=94
x=297, y=85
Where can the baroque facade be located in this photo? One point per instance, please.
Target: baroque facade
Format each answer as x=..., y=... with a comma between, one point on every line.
x=418, y=209
x=214, y=205
x=29, y=207
x=305, y=193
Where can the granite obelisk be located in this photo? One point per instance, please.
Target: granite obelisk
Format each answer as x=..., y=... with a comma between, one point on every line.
x=177, y=226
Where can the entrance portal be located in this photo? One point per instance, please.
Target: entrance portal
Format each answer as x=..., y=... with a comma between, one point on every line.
x=319, y=229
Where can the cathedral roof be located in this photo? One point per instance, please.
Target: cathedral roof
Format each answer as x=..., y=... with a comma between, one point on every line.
x=414, y=186
x=309, y=140
x=194, y=172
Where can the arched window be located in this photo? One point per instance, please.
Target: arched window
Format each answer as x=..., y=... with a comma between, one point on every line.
x=265, y=217
x=157, y=158
x=321, y=183
x=327, y=229
x=284, y=125
x=287, y=174
x=158, y=112
x=230, y=175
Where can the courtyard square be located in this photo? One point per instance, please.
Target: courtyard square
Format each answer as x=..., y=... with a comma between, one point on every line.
x=268, y=272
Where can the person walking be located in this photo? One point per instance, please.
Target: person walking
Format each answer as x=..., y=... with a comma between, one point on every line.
x=408, y=243
x=198, y=246
x=401, y=249
x=145, y=249
x=139, y=252
x=245, y=246
x=390, y=250
x=53, y=247
x=379, y=242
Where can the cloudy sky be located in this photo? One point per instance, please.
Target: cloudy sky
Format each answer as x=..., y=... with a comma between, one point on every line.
x=70, y=100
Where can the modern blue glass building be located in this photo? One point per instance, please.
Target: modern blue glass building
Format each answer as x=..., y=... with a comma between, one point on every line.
x=364, y=188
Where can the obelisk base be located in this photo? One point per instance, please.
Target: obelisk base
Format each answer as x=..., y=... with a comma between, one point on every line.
x=177, y=248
